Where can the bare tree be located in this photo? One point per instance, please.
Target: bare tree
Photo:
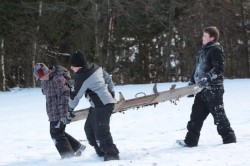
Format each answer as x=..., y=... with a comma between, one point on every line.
x=3, y=66
x=244, y=8
x=35, y=42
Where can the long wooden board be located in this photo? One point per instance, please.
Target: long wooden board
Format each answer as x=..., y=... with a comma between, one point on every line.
x=147, y=100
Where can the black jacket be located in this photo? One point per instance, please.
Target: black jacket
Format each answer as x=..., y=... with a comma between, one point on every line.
x=210, y=63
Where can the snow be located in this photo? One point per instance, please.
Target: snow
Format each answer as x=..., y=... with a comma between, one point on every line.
x=145, y=137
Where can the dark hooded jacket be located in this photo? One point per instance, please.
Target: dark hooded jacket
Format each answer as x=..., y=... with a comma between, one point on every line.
x=210, y=63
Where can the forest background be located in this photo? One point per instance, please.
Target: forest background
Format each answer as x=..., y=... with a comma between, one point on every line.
x=137, y=41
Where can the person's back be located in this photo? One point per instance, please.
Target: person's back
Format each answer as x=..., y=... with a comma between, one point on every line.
x=55, y=88
x=57, y=94
x=91, y=83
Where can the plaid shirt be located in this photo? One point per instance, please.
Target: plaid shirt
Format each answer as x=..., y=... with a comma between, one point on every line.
x=57, y=94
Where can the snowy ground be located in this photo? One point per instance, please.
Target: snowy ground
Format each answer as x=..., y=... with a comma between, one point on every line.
x=145, y=137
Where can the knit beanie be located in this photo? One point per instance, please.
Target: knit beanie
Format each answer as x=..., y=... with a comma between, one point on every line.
x=78, y=59
x=40, y=70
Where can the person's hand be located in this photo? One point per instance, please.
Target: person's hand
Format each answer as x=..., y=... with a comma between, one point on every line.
x=70, y=113
x=71, y=85
x=113, y=94
x=203, y=82
x=65, y=120
x=192, y=95
x=190, y=83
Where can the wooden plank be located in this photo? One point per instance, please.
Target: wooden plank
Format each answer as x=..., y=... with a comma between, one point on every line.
x=148, y=100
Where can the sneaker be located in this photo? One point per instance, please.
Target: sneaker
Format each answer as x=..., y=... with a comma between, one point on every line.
x=183, y=143
x=80, y=150
x=108, y=157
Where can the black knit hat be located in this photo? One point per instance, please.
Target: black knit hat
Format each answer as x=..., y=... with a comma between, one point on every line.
x=78, y=59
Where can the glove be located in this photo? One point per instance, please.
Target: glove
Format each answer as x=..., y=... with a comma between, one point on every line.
x=113, y=94
x=71, y=85
x=65, y=120
x=70, y=113
x=192, y=95
x=190, y=83
x=204, y=82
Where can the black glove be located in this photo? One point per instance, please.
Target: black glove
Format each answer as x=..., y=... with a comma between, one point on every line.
x=204, y=82
x=113, y=94
x=70, y=113
x=192, y=95
x=65, y=120
x=190, y=83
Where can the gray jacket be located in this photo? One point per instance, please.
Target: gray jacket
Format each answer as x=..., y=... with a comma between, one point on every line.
x=94, y=83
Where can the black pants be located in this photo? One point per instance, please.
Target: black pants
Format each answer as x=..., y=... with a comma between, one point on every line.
x=97, y=129
x=65, y=143
x=209, y=101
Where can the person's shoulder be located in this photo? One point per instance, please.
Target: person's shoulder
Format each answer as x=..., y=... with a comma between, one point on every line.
x=216, y=46
x=57, y=72
x=215, y=49
x=94, y=65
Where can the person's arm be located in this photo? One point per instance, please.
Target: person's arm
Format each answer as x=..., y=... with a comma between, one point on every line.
x=218, y=66
x=77, y=94
x=109, y=82
x=42, y=88
x=218, y=63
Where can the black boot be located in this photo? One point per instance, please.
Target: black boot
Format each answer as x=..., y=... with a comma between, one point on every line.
x=98, y=151
x=229, y=138
x=191, y=139
x=108, y=157
x=183, y=143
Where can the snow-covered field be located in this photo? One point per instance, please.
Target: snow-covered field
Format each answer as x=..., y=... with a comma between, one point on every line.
x=144, y=137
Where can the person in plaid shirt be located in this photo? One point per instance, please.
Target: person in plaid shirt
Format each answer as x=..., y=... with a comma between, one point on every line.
x=54, y=86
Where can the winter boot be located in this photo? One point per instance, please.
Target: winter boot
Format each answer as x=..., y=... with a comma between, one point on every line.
x=98, y=151
x=108, y=157
x=67, y=155
x=80, y=150
x=192, y=138
x=183, y=143
x=229, y=138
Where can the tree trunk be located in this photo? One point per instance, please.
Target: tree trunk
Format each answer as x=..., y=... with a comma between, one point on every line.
x=110, y=60
x=245, y=39
x=97, y=47
x=168, y=47
x=2, y=64
x=35, y=42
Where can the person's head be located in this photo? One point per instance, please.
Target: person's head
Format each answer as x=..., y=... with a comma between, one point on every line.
x=210, y=34
x=78, y=60
x=41, y=71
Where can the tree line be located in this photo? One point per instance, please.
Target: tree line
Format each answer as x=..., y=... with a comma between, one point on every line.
x=137, y=41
